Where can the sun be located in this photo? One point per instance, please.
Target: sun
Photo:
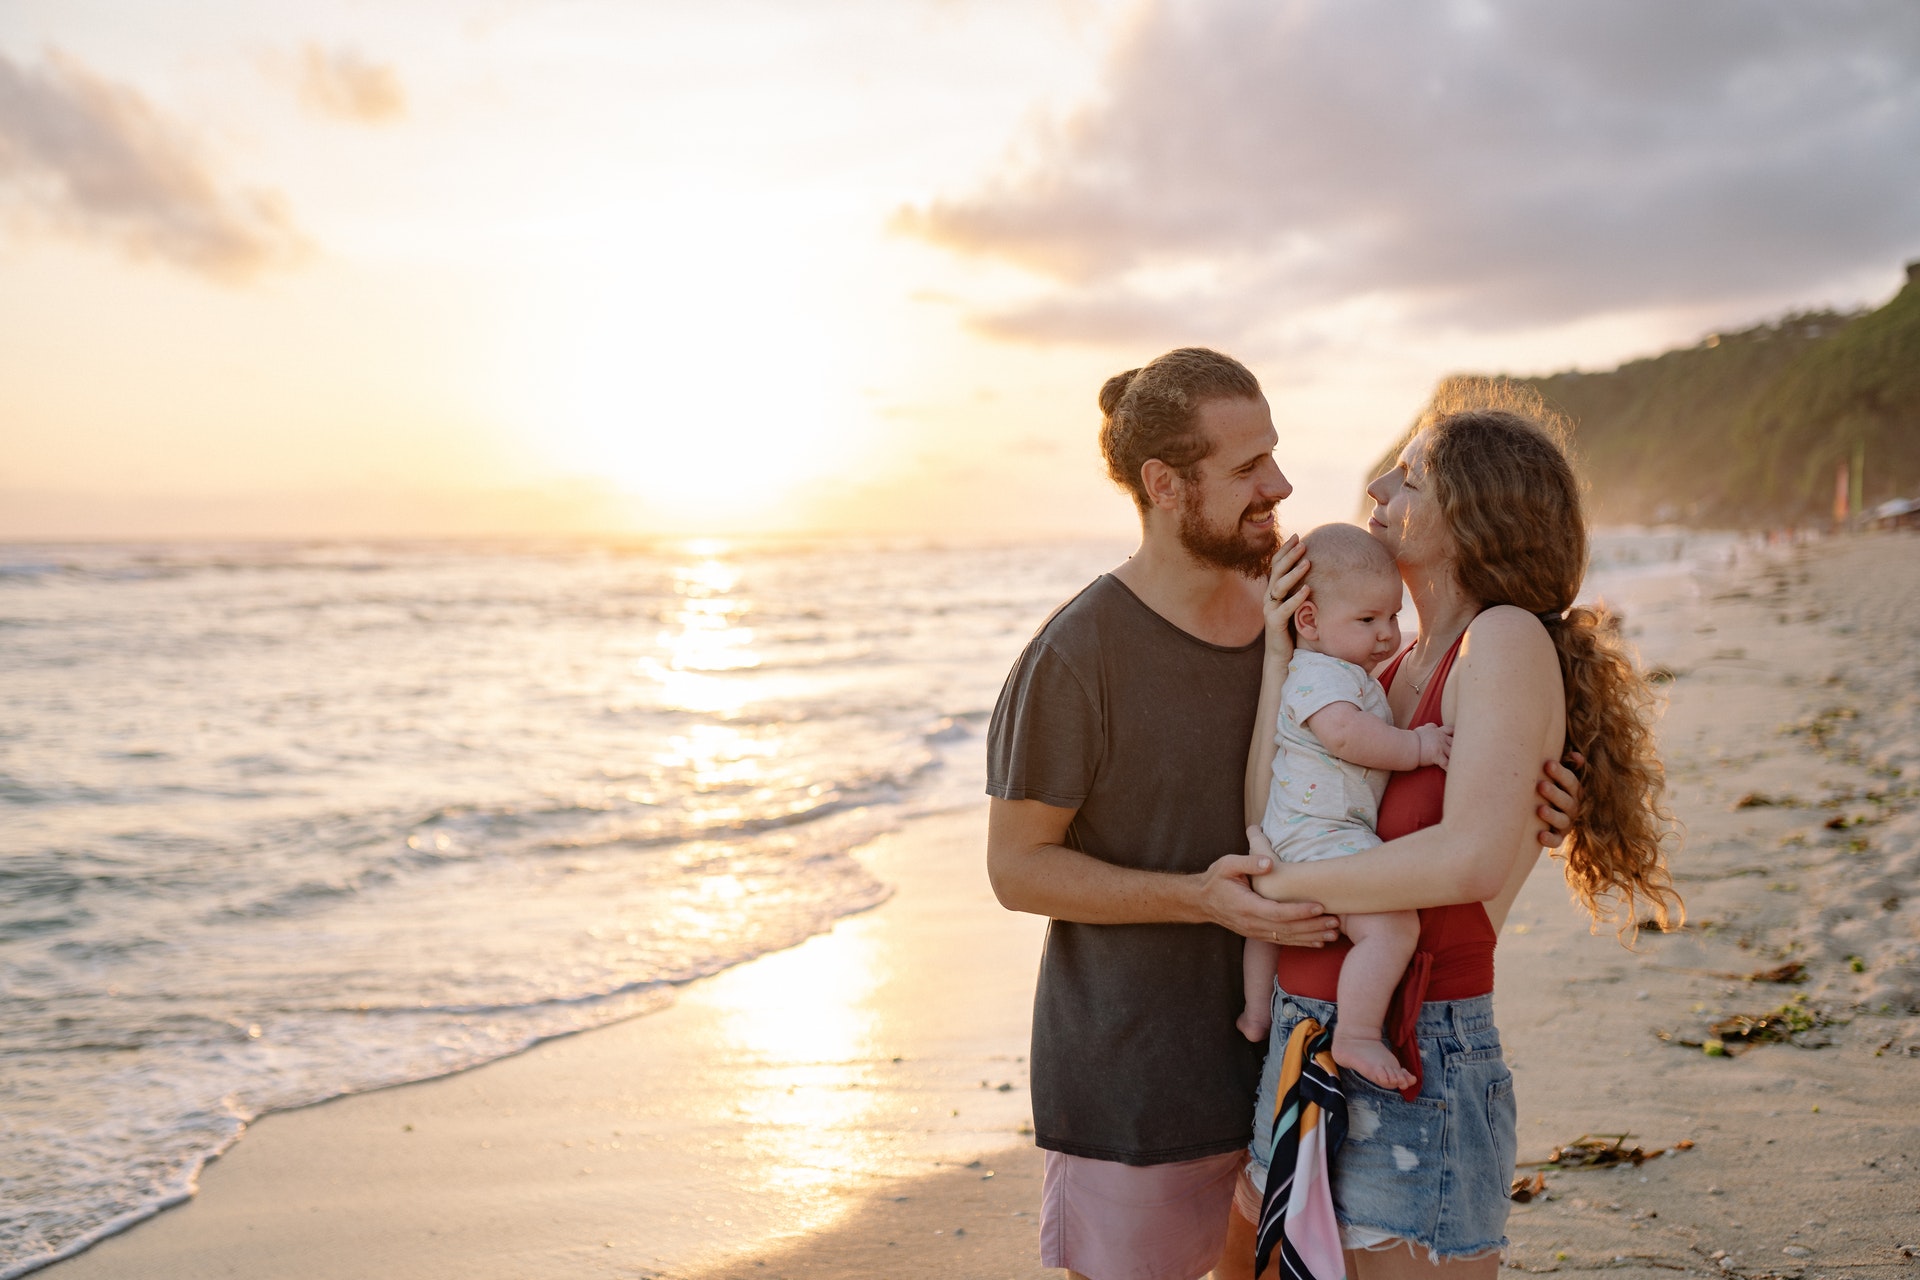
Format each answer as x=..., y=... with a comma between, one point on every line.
x=696, y=369
x=705, y=437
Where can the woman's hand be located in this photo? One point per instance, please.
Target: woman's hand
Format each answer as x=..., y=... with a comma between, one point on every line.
x=1560, y=788
x=1286, y=589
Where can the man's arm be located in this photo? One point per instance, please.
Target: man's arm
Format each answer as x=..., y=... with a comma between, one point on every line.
x=1032, y=870
x=1284, y=595
x=1561, y=791
x=1266, y=725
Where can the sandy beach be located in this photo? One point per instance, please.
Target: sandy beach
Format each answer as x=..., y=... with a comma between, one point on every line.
x=857, y=1105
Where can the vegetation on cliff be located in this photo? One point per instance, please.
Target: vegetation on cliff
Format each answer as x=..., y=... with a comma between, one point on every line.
x=1746, y=429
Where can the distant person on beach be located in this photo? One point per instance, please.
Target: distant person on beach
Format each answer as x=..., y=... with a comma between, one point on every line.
x=1482, y=514
x=1332, y=743
x=1117, y=759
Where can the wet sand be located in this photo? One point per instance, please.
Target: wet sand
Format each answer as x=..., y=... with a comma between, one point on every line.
x=797, y=1097
x=794, y=1117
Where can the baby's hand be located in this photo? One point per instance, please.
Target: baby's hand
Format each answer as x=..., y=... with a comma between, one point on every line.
x=1436, y=744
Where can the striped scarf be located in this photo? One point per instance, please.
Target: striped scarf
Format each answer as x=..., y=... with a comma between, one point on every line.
x=1309, y=1124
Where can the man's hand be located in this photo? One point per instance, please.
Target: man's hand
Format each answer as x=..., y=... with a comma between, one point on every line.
x=1560, y=788
x=1285, y=592
x=1229, y=900
x=1436, y=744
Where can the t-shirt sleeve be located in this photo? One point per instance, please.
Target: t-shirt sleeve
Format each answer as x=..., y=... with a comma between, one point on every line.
x=1044, y=741
x=1315, y=685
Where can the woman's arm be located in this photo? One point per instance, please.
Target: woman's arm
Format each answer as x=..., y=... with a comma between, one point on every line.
x=1508, y=703
x=1284, y=594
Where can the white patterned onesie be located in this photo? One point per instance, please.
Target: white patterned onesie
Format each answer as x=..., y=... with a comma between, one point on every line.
x=1320, y=806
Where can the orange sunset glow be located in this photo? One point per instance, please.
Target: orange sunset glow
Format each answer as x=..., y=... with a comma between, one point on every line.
x=581, y=702
x=530, y=268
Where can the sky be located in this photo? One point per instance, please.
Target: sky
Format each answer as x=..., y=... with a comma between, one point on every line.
x=514, y=267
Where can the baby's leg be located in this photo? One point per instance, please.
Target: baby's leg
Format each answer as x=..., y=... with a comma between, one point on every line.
x=1383, y=942
x=1257, y=966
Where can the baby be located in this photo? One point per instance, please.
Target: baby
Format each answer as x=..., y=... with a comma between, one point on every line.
x=1336, y=744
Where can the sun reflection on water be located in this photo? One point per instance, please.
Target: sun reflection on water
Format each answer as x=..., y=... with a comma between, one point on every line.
x=798, y=1036
x=716, y=757
x=705, y=638
x=804, y=1032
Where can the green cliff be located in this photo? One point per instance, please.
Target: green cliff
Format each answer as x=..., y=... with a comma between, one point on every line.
x=1746, y=429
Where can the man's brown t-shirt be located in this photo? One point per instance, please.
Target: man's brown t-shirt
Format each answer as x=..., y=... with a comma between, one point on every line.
x=1142, y=728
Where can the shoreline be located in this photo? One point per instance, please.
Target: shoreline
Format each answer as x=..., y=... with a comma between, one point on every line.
x=766, y=1104
x=767, y=1124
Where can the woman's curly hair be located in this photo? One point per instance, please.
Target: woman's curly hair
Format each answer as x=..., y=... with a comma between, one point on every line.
x=1497, y=458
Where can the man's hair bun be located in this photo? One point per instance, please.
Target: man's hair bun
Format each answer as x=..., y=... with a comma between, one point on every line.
x=1114, y=388
x=1152, y=412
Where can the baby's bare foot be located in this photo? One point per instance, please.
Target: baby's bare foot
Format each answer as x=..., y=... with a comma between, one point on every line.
x=1371, y=1058
x=1254, y=1024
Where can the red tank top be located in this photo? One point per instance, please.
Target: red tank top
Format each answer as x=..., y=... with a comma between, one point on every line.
x=1454, y=957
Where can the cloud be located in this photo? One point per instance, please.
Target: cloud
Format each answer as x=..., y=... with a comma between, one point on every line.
x=92, y=159
x=346, y=86
x=1487, y=163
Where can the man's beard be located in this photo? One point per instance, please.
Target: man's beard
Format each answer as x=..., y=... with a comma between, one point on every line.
x=1225, y=549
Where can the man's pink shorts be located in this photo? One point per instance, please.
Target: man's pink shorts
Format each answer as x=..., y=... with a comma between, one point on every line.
x=1112, y=1221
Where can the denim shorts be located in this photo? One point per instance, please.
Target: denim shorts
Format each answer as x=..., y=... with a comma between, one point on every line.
x=1434, y=1172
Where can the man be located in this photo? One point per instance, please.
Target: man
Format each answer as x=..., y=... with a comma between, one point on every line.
x=1116, y=760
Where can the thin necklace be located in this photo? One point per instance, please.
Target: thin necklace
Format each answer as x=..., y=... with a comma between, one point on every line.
x=1419, y=686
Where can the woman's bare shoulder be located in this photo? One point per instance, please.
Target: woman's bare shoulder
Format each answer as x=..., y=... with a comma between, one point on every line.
x=1504, y=634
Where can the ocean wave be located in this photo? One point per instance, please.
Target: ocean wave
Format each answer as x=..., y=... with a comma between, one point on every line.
x=308, y=895
x=383, y=811
x=191, y=1081
x=33, y=879
x=35, y=925
x=28, y=571
x=14, y=791
x=76, y=1030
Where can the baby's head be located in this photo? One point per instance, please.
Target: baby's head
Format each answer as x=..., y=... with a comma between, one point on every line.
x=1353, y=612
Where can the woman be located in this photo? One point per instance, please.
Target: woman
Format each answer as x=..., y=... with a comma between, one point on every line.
x=1482, y=514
